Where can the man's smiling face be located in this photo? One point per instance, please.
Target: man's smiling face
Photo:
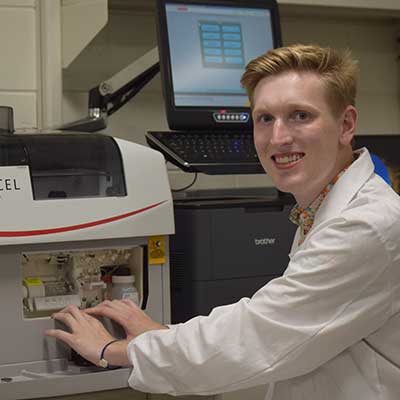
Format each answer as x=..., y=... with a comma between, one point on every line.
x=299, y=140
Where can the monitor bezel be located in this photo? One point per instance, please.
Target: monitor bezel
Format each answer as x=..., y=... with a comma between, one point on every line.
x=196, y=118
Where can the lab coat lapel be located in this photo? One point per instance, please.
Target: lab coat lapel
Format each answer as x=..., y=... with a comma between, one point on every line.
x=295, y=244
x=341, y=193
x=345, y=188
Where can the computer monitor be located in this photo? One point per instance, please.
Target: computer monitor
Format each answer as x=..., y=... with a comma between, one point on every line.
x=204, y=47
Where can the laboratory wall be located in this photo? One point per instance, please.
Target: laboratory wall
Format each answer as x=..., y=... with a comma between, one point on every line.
x=31, y=73
x=19, y=83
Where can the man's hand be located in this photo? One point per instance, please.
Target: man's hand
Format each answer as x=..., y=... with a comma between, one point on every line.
x=88, y=336
x=128, y=315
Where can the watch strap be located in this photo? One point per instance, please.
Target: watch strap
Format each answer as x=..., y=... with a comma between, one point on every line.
x=103, y=362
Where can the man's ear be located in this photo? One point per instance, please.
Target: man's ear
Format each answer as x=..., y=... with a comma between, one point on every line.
x=349, y=125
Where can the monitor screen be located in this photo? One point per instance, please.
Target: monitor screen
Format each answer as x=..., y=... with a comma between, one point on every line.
x=204, y=48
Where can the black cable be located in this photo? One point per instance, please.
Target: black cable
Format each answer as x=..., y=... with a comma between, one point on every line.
x=186, y=187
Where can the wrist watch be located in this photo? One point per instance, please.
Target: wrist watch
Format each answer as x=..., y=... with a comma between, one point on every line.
x=103, y=362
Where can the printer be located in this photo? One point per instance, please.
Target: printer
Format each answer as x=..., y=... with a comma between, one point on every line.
x=228, y=244
x=76, y=209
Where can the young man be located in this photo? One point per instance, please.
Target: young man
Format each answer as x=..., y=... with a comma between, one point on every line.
x=328, y=329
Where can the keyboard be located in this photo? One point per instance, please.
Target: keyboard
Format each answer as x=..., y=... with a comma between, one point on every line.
x=217, y=152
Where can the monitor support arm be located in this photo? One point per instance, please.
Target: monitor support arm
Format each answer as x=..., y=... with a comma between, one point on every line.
x=110, y=95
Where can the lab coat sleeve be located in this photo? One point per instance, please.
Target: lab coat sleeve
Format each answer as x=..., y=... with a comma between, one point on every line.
x=335, y=291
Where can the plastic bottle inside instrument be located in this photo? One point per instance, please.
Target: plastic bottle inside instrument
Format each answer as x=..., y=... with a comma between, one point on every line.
x=107, y=279
x=123, y=287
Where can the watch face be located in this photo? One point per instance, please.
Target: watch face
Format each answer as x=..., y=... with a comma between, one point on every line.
x=103, y=363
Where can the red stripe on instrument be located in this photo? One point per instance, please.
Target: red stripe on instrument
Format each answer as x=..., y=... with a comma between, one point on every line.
x=76, y=227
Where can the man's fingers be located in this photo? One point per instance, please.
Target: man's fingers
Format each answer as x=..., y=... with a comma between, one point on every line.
x=59, y=334
x=93, y=322
x=94, y=310
x=74, y=311
x=116, y=314
x=115, y=305
x=100, y=310
x=130, y=303
x=66, y=318
x=89, y=318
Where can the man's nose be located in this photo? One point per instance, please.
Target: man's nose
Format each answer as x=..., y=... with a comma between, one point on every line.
x=281, y=134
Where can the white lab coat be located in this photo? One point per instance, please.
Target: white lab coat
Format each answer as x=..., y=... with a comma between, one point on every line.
x=328, y=329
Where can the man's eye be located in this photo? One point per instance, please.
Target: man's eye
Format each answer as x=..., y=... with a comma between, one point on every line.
x=300, y=116
x=265, y=118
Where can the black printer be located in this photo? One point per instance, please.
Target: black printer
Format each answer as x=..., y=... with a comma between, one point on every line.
x=228, y=244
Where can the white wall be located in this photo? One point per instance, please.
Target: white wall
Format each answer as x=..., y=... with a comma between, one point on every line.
x=373, y=42
x=19, y=60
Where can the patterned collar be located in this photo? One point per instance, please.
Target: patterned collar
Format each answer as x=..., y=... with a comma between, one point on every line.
x=304, y=217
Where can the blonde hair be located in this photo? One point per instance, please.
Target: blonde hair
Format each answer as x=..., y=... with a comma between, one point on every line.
x=338, y=71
